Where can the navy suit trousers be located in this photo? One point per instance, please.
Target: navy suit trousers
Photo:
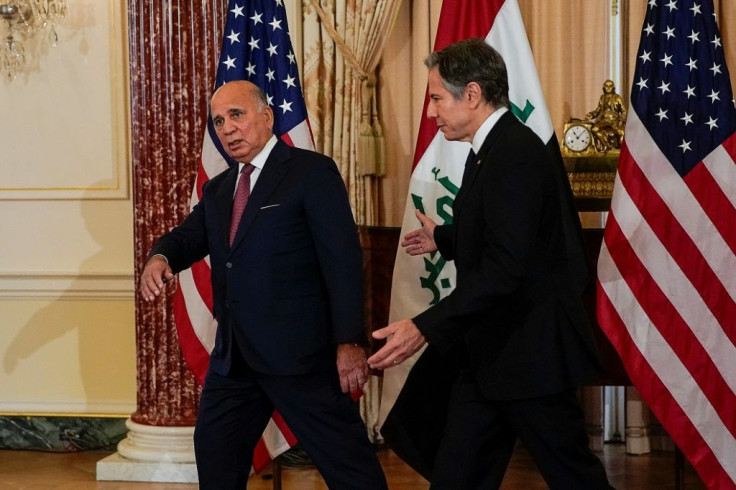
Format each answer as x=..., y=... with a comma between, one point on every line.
x=235, y=409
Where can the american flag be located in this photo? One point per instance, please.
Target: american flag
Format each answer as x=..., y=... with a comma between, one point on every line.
x=667, y=267
x=255, y=47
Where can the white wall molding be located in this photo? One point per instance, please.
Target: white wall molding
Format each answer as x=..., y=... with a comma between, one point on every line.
x=51, y=408
x=66, y=285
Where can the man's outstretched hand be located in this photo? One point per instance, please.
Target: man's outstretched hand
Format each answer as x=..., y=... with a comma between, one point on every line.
x=403, y=340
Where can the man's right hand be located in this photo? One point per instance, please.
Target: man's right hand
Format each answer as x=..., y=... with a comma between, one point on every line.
x=156, y=273
x=420, y=241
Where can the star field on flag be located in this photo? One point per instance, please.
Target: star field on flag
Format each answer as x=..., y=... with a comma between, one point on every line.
x=257, y=48
x=681, y=89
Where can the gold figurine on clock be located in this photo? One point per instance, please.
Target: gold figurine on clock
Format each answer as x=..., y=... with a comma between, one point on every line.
x=601, y=131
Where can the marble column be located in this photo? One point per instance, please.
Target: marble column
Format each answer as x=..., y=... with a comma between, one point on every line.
x=173, y=51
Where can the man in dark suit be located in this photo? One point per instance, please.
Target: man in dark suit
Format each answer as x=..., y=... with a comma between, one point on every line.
x=286, y=282
x=513, y=333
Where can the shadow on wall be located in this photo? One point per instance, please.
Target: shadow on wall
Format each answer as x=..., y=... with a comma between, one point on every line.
x=95, y=377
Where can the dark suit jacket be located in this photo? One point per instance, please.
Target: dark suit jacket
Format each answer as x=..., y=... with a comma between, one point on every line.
x=515, y=318
x=515, y=310
x=289, y=289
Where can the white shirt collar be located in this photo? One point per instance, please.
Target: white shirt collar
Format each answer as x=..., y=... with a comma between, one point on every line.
x=260, y=160
x=485, y=128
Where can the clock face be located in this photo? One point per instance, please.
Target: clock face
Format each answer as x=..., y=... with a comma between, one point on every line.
x=577, y=138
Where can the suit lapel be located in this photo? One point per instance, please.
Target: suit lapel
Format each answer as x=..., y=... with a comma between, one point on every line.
x=481, y=159
x=271, y=174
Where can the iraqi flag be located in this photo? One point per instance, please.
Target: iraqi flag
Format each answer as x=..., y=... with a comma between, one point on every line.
x=421, y=281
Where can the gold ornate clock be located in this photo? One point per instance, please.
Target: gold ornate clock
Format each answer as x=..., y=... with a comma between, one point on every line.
x=577, y=138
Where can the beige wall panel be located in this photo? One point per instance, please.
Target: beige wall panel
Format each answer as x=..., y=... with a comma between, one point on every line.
x=66, y=236
x=63, y=122
x=67, y=328
x=67, y=356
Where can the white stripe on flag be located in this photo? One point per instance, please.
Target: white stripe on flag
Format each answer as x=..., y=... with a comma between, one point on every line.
x=665, y=363
x=211, y=160
x=274, y=439
x=301, y=136
x=203, y=325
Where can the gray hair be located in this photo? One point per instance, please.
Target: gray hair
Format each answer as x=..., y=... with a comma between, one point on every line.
x=472, y=60
x=260, y=98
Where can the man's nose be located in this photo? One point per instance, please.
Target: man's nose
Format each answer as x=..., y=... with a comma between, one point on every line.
x=227, y=127
x=431, y=112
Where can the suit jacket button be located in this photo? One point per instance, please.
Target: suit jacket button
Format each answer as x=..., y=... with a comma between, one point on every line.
x=229, y=265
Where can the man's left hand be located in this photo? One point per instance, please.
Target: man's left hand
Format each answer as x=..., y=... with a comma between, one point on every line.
x=352, y=367
x=404, y=340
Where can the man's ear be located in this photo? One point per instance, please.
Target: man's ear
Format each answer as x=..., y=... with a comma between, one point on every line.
x=269, y=115
x=473, y=94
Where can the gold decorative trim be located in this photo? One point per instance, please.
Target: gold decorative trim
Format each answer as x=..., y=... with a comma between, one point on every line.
x=101, y=408
x=592, y=185
x=591, y=179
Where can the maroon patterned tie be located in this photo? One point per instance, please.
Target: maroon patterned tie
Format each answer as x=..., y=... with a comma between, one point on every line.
x=241, y=199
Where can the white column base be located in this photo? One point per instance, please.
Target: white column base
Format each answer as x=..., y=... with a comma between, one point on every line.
x=118, y=468
x=150, y=453
x=637, y=441
x=637, y=423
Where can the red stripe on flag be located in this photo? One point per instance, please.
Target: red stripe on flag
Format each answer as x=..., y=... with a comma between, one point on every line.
x=285, y=431
x=659, y=399
x=261, y=456
x=678, y=243
x=201, y=178
x=673, y=328
x=196, y=356
x=730, y=146
x=287, y=139
x=460, y=19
